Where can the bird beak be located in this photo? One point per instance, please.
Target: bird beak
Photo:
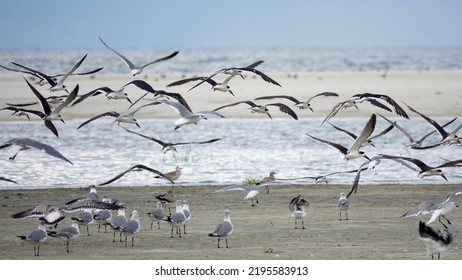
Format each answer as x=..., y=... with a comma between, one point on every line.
x=309, y=107
x=62, y=121
x=366, y=157
x=129, y=100
x=442, y=175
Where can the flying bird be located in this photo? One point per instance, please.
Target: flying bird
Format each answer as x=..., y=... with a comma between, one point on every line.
x=369, y=140
x=436, y=241
x=137, y=69
x=300, y=104
x=254, y=108
x=22, y=144
x=136, y=168
x=124, y=118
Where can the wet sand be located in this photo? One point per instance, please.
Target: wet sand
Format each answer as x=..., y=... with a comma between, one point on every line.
x=266, y=231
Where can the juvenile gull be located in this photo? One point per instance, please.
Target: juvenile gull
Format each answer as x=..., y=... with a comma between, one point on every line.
x=36, y=237
x=67, y=233
x=223, y=229
x=436, y=241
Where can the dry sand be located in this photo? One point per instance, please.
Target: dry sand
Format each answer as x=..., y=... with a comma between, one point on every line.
x=374, y=231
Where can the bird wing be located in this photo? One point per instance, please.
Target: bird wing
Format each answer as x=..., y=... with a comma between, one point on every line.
x=326, y=93
x=454, y=163
x=265, y=77
x=291, y=98
x=351, y=134
x=421, y=209
x=68, y=100
x=231, y=188
x=126, y=60
x=383, y=132
x=160, y=59
x=174, y=95
x=250, y=103
x=285, y=109
x=339, y=147
x=113, y=114
x=46, y=108
x=77, y=65
x=41, y=146
x=187, y=80
x=438, y=127
x=415, y=161
x=367, y=131
x=37, y=73
x=95, y=92
x=163, y=144
x=400, y=129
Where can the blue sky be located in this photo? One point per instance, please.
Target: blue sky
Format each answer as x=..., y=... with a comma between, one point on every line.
x=184, y=24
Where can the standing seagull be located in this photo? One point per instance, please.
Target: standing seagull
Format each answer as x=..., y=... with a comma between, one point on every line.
x=49, y=115
x=136, y=69
x=298, y=208
x=157, y=214
x=117, y=222
x=436, y=241
x=447, y=138
x=223, y=229
x=131, y=227
x=343, y=205
x=166, y=147
x=299, y=104
x=177, y=219
x=353, y=152
x=85, y=218
x=67, y=233
x=22, y=144
x=254, y=108
x=426, y=170
x=55, y=86
x=36, y=237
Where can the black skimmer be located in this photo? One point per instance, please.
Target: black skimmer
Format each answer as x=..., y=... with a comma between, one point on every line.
x=7, y=180
x=437, y=210
x=22, y=144
x=186, y=116
x=223, y=229
x=299, y=104
x=216, y=86
x=109, y=93
x=322, y=178
x=36, y=237
x=354, y=100
x=67, y=233
x=131, y=227
x=447, y=138
x=297, y=207
x=426, y=170
x=119, y=118
x=254, y=108
x=353, y=152
x=54, y=86
x=343, y=205
x=369, y=140
x=436, y=241
x=417, y=144
x=137, y=69
x=166, y=147
x=49, y=115
x=136, y=168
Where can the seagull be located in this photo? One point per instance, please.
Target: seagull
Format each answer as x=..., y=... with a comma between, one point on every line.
x=186, y=116
x=223, y=229
x=49, y=115
x=300, y=104
x=53, y=214
x=84, y=218
x=436, y=241
x=166, y=147
x=369, y=140
x=254, y=108
x=92, y=195
x=22, y=144
x=124, y=118
x=36, y=237
x=343, y=205
x=438, y=210
x=102, y=217
x=137, y=168
x=67, y=233
x=137, y=69
x=131, y=227
x=447, y=138
x=55, y=86
x=297, y=206
x=353, y=152
x=177, y=219
x=354, y=100
x=157, y=214
x=252, y=191
x=118, y=221
x=426, y=170
x=187, y=214
x=417, y=144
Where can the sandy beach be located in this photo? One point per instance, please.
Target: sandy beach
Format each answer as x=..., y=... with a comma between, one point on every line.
x=266, y=231
x=374, y=230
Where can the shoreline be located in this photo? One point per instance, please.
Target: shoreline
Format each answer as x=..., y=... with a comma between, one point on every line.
x=374, y=231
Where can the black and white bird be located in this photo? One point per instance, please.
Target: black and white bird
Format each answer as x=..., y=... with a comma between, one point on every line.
x=369, y=140
x=136, y=168
x=110, y=93
x=117, y=222
x=417, y=144
x=299, y=104
x=177, y=219
x=36, y=237
x=252, y=191
x=223, y=229
x=297, y=207
x=156, y=214
x=48, y=115
x=22, y=144
x=354, y=100
x=131, y=227
x=67, y=233
x=262, y=109
x=7, y=180
x=448, y=138
x=423, y=169
x=137, y=69
x=216, y=86
x=353, y=152
x=54, y=85
x=166, y=146
x=436, y=241
x=119, y=118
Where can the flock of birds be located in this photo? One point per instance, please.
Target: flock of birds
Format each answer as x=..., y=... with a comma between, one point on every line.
x=94, y=209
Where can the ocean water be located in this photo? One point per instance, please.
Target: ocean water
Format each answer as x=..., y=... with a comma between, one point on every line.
x=249, y=148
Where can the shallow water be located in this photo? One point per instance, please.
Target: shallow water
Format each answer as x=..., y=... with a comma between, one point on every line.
x=249, y=148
